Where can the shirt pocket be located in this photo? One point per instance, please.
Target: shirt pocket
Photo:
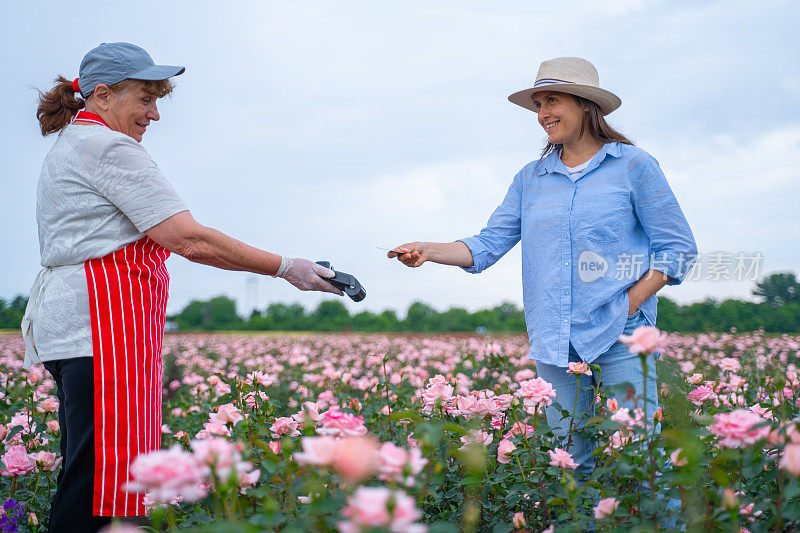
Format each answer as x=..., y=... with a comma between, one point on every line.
x=602, y=216
x=543, y=214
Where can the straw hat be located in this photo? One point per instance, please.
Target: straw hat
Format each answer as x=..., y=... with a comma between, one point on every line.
x=572, y=75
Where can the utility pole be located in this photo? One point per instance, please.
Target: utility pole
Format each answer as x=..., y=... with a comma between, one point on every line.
x=251, y=295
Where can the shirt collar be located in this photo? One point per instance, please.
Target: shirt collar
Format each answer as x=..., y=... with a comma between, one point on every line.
x=552, y=161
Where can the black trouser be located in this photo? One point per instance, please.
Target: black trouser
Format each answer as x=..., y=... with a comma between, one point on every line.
x=71, y=508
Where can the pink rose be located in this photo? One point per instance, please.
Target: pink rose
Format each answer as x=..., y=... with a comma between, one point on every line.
x=248, y=479
x=736, y=429
x=502, y=401
x=731, y=364
x=285, y=425
x=763, y=412
x=260, y=378
x=520, y=429
x=695, y=379
x=275, y=446
x=168, y=474
x=463, y=405
x=222, y=456
x=476, y=437
x=368, y=508
x=48, y=405
x=213, y=428
x=339, y=424
x=311, y=410
x=535, y=392
x=561, y=458
x=605, y=508
x=356, y=458
x=228, y=413
x=644, y=339
x=392, y=460
x=700, y=395
x=790, y=459
x=254, y=399
x=504, y=450
x=17, y=461
x=578, y=368
x=678, y=458
x=438, y=379
x=519, y=520
x=3, y=432
x=437, y=392
x=612, y=404
x=47, y=461
x=525, y=373
x=398, y=464
x=316, y=451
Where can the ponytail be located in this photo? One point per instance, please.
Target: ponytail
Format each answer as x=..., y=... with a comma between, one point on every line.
x=57, y=106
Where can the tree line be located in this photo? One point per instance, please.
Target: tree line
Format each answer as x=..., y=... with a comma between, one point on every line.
x=777, y=312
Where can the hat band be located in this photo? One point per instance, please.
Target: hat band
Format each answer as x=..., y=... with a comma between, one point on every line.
x=549, y=81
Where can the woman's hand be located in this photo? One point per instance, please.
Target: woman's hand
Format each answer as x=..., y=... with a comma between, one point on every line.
x=415, y=253
x=306, y=275
x=446, y=253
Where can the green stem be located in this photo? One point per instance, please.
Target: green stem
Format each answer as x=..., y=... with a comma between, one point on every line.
x=574, y=409
x=521, y=471
x=171, y=520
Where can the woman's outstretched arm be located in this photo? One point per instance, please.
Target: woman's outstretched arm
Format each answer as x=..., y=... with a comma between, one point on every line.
x=446, y=253
x=183, y=235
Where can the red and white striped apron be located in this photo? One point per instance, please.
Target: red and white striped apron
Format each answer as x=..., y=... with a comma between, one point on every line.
x=127, y=300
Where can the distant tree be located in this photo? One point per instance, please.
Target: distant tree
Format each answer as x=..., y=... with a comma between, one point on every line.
x=455, y=319
x=387, y=321
x=330, y=315
x=291, y=317
x=11, y=313
x=364, y=321
x=510, y=317
x=421, y=317
x=778, y=289
x=216, y=313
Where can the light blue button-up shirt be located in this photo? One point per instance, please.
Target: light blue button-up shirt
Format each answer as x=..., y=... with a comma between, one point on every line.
x=585, y=240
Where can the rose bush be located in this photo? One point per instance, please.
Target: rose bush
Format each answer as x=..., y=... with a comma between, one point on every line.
x=438, y=433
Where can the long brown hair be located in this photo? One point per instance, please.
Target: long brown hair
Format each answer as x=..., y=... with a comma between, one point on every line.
x=596, y=124
x=60, y=104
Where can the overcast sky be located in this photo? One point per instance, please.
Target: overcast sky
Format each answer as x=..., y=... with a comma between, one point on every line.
x=327, y=129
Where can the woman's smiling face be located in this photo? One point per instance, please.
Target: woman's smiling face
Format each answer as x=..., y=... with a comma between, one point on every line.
x=132, y=109
x=560, y=115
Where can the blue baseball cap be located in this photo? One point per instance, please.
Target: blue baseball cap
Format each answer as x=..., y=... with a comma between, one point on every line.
x=111, y=63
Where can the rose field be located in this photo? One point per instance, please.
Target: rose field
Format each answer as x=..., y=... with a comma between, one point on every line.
x=404, y=433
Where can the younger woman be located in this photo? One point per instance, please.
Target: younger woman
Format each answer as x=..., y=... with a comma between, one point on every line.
x=601, y=233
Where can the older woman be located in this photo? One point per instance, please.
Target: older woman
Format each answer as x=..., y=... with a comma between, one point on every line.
x=108, y=219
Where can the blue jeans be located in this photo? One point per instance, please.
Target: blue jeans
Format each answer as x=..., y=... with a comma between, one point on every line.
x=617, y=365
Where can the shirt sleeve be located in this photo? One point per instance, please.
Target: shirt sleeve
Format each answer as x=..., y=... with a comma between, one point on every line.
x=673, y=250
x=501, y=233
x=129, y=178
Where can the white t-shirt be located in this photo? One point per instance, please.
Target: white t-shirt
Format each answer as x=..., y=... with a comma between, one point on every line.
x=577, y=169
x=99, y=191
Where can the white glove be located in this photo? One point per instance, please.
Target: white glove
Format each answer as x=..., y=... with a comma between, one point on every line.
x=306, y=275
